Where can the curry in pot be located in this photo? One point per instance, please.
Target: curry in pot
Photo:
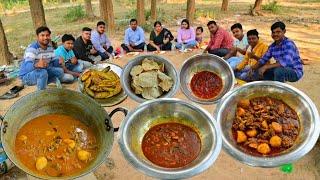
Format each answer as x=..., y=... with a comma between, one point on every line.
x=265, y=126
x=56, y=145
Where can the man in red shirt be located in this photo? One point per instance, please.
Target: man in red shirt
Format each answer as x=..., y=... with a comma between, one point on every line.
x=220, y=40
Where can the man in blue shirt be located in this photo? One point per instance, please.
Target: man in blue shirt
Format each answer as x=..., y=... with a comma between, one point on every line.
x=70, y=64
x=101, y=42
x=40, y=66
x=134, y=38
x=288, y=66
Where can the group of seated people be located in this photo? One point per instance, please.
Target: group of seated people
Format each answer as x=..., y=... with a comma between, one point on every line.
x=252, y=59
x=247, y=55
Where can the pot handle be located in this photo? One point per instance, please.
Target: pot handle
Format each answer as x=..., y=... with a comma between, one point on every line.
x=5, y=124
x=108, y=118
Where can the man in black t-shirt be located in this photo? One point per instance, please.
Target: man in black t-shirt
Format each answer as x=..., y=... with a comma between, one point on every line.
x=83, y=48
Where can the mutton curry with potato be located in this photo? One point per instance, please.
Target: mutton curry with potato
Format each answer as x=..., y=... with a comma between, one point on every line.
x=56, y=145
x=265, y=126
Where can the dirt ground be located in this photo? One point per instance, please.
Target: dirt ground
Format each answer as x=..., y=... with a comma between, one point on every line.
x=225, y=167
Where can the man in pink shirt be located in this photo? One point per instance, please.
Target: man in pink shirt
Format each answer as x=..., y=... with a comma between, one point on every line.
x=220, y=40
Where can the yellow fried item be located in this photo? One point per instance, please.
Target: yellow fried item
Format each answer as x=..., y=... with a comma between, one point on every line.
x=106, y=75
x=108, y=83
x=106, y=69
x=89, y=91
x=87, y=83
x=86, y=75
x=102, y=84
x=117, y=89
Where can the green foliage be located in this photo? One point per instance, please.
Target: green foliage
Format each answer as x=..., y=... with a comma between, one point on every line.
x=207, y=13
x=161, y=15
x=147, y=27
x=9, y=4
x=74, y=14
x=272, y=6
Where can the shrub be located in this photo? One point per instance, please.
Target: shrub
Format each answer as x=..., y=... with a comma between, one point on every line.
x=271, y=6
x=74, y=14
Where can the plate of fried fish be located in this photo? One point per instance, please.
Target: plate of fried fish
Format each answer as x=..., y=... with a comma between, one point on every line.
x=102, y=83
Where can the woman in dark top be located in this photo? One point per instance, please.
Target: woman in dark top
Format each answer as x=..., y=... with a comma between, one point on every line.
x=160, y=38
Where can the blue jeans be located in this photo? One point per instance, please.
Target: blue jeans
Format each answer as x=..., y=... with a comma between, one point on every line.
x=234, y=61
x=104, y=55
x=189, y=44
x=247, y=74
x=281, y=74
x=75, y=67
x=221, y=52
x=41, y=77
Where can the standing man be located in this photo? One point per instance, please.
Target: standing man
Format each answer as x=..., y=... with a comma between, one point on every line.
x=40, y=66
x=83, y=47
x=288, y=66
x=101, y=42
x=220, y=40
x=133, y=38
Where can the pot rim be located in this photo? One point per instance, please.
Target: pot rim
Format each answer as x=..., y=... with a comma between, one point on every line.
x=276, y=161
x=171, y=173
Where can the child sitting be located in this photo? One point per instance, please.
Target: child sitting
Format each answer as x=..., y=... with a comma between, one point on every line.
x=67, y=58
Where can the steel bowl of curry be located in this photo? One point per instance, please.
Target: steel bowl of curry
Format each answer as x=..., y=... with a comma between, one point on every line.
x=206, y=78
x=148, y=77
x=267, y=124
x=57, y=134
x=169, y=138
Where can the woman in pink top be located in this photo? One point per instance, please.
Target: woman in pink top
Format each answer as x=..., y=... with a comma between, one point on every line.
x=186, y=36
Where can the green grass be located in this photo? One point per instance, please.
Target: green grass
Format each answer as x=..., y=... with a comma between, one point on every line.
x=272, y=6
x=74, y=14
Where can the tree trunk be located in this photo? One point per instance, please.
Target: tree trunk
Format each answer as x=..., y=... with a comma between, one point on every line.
x=224, y=6
x=37, y=13
x=88, y=7
x=191, y=10
x=106, y=11
x=140, y=12
x=4, y=50
x=154, y=10
x=256, y=8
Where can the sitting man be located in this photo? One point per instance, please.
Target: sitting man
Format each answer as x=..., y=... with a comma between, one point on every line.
x=83, y=48
x=254, y=52
x=288, y=66
x=101, y=42
x=240, y=45
x=133, y=38
x=68, y=60
x=220, y=40
x=39, y=66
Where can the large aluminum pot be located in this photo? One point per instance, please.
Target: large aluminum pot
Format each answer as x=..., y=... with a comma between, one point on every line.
x=297, y=100
x=145, y=116
x=59, y=101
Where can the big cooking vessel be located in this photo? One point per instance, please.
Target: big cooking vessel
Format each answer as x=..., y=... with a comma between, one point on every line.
x=147, y=115
x=59, y=101
x=296, y=99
